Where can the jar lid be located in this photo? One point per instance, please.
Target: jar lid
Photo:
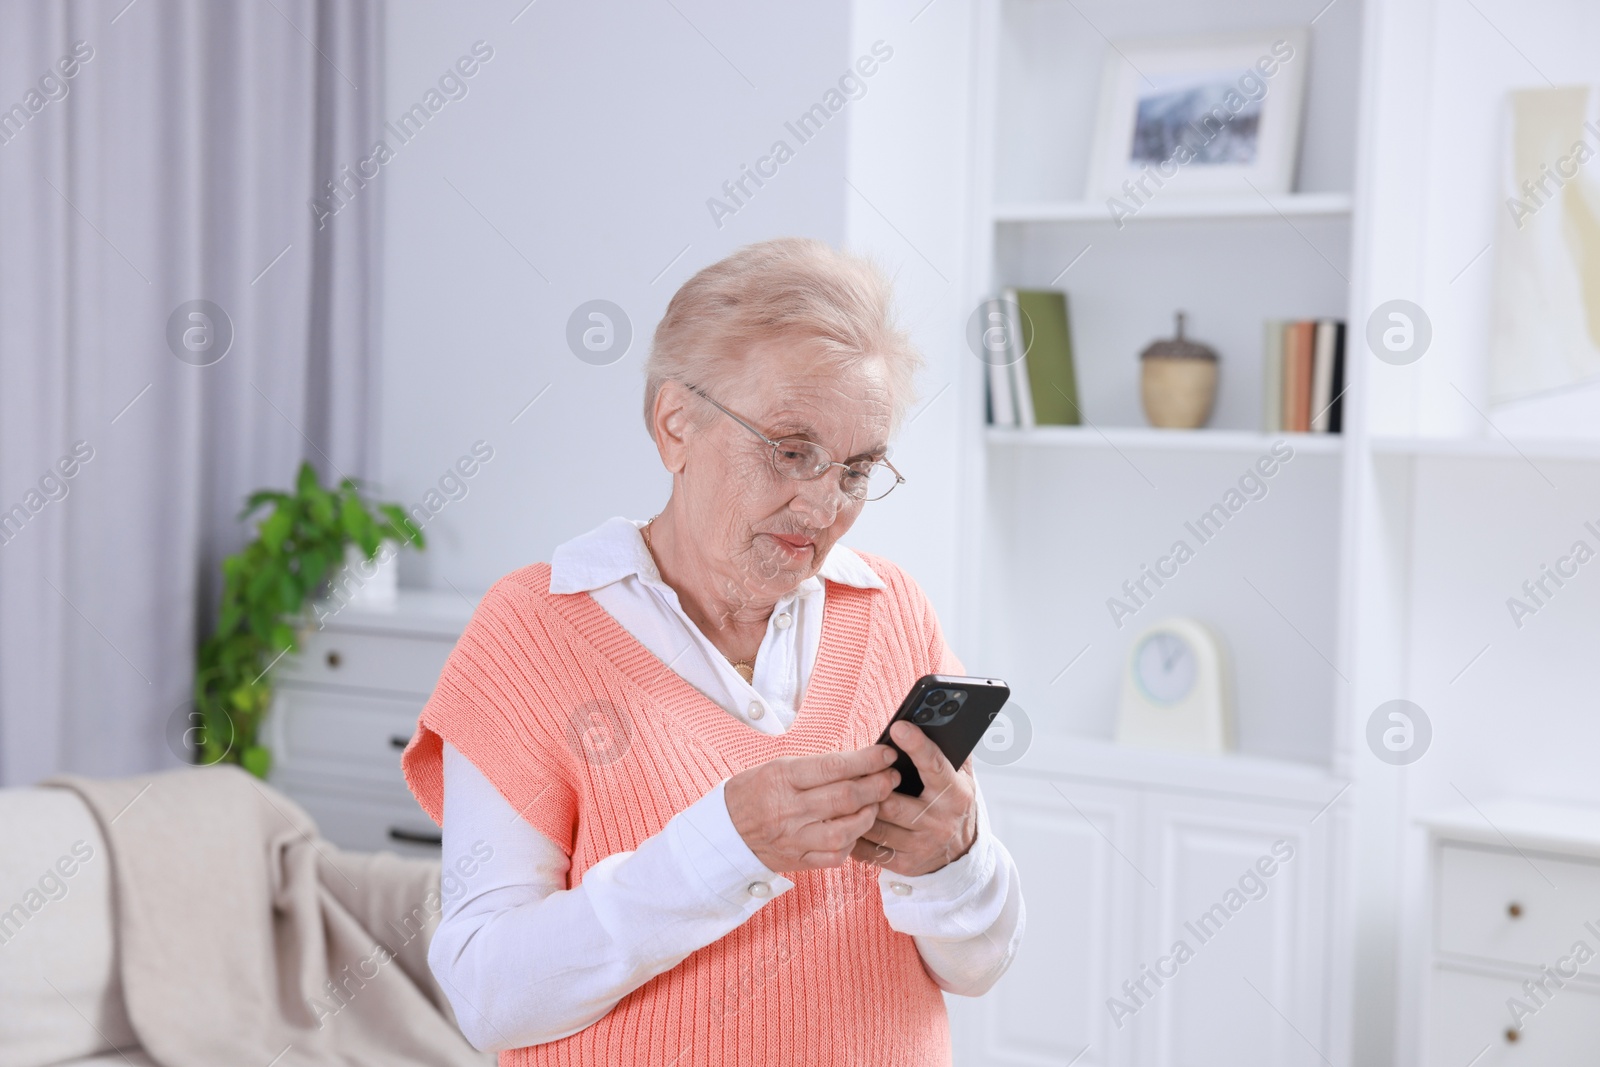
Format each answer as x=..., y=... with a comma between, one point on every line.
x=1178, y=347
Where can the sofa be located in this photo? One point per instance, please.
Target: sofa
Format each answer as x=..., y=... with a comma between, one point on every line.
x=214, y=921
x=58, y=975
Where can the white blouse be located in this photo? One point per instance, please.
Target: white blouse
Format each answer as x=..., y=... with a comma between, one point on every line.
x=525, y=960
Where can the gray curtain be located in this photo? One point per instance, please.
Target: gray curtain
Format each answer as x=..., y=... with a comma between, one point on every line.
x=154, y=155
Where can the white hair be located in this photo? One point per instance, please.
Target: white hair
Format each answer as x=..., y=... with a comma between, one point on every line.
x=837, y=304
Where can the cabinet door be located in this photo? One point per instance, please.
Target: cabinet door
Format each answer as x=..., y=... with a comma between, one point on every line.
x=1073, y=844
x=1238, y=951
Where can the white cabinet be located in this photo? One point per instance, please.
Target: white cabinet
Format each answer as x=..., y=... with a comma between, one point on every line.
x=347, y=704
x=1513, y=966
x=1071, y=845
x=1176, y=911
x=1243, y=885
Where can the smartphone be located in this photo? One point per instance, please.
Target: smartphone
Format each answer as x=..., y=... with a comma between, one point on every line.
x=954, y=712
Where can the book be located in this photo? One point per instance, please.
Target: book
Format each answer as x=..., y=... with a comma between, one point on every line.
x=1002, y=402
x=1019, y=336
x=1322, y=375
x=1336, y=415
x=1297, y=357
x=1049, y=381
x=1272, y=376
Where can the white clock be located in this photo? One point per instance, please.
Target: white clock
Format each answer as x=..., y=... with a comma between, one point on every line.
x=1175, y=689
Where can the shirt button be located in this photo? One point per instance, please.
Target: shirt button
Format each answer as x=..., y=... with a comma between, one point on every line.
x=756, y=710
x=900, y=889
x=760, y=889
x=783, y=620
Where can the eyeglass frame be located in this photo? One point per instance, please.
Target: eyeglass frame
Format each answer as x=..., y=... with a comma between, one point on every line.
x=899, y=479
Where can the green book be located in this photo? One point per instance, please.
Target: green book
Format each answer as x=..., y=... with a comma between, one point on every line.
x=1047, y=340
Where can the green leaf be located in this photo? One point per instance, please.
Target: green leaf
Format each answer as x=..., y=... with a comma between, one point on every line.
x=256, y=590
x=369, y=539
x=306, y=483
x=276, y=528
x=321, y=508
x=259, y=497
x=399, y=525
x=282, y=638
x=313, y=568
x=353, y=517
x=228, y=621
x=257, y=760
x=288, y=593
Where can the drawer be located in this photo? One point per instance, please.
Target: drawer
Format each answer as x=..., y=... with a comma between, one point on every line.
x=368, y=824
x=391, y=662
x=1494, y=904
x=343, y=736
x=1472, y=1023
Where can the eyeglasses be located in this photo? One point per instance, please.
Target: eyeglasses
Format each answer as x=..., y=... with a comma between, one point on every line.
x=803, y=461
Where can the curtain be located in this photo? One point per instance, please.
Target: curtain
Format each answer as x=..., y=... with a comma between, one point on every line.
x=188, y=308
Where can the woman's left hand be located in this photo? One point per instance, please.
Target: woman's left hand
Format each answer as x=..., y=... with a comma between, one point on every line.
x=919, y=835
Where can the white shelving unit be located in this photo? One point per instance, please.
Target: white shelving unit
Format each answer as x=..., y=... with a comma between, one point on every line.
x=1378, y=567
x=1070, y=513
x=1109, y=495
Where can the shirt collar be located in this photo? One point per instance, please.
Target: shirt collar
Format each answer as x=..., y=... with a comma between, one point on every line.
x=614, y=550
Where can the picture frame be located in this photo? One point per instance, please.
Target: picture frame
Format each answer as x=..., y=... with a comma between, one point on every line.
x=1198, y=117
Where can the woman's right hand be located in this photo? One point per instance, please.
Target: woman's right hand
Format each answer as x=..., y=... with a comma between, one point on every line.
x=803, y=812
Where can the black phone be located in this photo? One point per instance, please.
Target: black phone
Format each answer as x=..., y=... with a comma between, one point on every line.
x=954, y=712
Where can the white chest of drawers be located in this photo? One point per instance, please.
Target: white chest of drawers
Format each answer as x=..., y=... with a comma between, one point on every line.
x=1514, y=947
x=346, y=705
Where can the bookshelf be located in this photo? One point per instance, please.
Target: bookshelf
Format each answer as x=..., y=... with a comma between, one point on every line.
x=1071, y=512
x=1230, y=262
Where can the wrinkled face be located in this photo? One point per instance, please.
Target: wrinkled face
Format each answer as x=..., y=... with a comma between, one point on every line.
x=762, y=533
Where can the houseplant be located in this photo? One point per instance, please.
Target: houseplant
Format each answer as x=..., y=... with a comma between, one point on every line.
x=266, y=587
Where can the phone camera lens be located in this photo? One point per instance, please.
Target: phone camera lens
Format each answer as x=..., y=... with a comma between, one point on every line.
x=950, y=707
x=936, y=697
x=922, y=715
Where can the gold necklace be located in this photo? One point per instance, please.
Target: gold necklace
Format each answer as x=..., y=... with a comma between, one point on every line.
x=745, y=667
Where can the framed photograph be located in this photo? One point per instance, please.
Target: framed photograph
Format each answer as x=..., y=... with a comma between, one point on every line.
x=1544, y=351
x=1199, y=116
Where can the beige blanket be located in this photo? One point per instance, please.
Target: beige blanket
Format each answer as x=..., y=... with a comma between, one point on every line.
x=246, y=938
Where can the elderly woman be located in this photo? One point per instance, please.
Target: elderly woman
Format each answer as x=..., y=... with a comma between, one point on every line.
x=654, y=758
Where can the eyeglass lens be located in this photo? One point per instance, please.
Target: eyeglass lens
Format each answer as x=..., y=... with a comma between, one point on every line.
x=804, y=460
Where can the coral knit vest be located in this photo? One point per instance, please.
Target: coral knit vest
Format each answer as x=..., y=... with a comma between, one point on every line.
x=598, y=744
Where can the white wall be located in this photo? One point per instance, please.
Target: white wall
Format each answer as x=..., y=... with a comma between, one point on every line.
x=587, y=145
x=909, y=171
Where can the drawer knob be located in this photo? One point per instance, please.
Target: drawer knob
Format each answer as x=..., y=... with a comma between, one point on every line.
x=333, y=659
x=1512, y=1035
x=415, y=838
x=1515, y=911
